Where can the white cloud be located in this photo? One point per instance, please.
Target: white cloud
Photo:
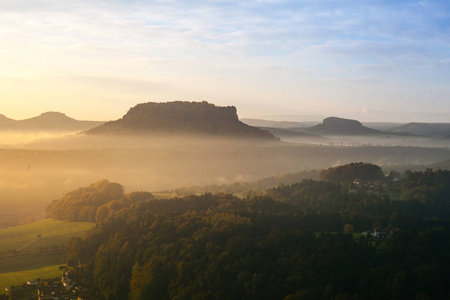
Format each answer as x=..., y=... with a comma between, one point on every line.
x=259, y=45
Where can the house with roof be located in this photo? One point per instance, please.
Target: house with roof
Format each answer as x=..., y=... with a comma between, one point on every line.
x=384, y=233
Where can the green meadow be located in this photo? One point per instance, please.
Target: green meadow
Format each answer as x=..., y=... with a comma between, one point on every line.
x=17, y=278
x=19, y=237
x=31, y=261
x=38, y=250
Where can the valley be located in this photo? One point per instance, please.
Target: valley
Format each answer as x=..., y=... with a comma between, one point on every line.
x=176, y=163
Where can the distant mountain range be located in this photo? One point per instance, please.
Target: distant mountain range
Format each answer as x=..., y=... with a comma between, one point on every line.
x=329, y=127
x=424, y=129
x=332, y=126
x=198, y=118
x=49, y=121
x=205, y=118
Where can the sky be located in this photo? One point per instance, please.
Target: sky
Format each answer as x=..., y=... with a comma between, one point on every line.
x=94, y=60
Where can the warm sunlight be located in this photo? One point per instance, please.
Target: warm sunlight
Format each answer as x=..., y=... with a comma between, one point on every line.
x=384, y=61
x=215, y=150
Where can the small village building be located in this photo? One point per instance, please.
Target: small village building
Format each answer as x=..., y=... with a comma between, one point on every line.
x=385, y=233
x=32, y=282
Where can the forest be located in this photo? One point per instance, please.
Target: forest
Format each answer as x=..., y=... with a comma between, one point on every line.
x=295, y=241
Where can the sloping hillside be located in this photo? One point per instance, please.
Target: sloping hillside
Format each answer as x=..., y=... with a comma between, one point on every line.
x=47, y=121
x=426, y=129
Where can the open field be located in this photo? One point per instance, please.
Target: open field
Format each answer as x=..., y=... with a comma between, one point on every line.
x=17, y=278
x=35, y=257
x=19, y=237
x=30, y=261
x=51, y=243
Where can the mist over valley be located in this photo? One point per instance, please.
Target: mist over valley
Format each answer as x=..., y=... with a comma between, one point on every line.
x=185, y=145
x=189, y=184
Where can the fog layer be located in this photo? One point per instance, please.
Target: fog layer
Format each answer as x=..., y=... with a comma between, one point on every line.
x=36, y=173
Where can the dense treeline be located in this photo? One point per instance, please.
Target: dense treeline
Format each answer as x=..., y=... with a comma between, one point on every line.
x=93, y=203
x=428, y=187
x=365, y=209
x=226, y=249
x=204, y=247
x=282, y=245
x=346, y=174
x=248, y=188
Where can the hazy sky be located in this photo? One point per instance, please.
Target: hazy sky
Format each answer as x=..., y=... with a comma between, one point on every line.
x=367, y=60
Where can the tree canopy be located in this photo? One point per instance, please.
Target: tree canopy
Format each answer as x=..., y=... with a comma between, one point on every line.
x=289, y=243
x=93, y=203
x=348, y=173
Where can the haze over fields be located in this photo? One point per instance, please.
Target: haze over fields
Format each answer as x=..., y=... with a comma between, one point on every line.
x=290, y=61
x=165, y=146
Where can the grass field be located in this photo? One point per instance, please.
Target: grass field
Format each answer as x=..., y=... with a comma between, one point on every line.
x=30, y=261
x=33, y=259
x=17, y=278
x=51, y=243
x=19, y=236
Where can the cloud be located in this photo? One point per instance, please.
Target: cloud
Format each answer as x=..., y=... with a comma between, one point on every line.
x=124, y=85
x=136, y=47
x=219, y=27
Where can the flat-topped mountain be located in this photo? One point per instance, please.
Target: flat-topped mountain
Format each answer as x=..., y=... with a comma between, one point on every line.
x=47, y=121
x=339, y=126
x=199, y=118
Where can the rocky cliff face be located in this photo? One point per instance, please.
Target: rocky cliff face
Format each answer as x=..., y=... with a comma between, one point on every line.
x=181, y=118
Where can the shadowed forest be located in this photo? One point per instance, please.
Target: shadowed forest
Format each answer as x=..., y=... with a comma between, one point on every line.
x=290, y=242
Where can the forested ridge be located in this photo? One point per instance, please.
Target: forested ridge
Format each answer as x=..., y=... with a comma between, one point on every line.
x=288, y=243
x=93, y=203
x=354, y=171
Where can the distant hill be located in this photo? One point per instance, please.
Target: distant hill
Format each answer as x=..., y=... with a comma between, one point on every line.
x=199, y=118
x=426, y=129
x=383, y=126
x=7, y=123
x=47, y=121
x=339, y=126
